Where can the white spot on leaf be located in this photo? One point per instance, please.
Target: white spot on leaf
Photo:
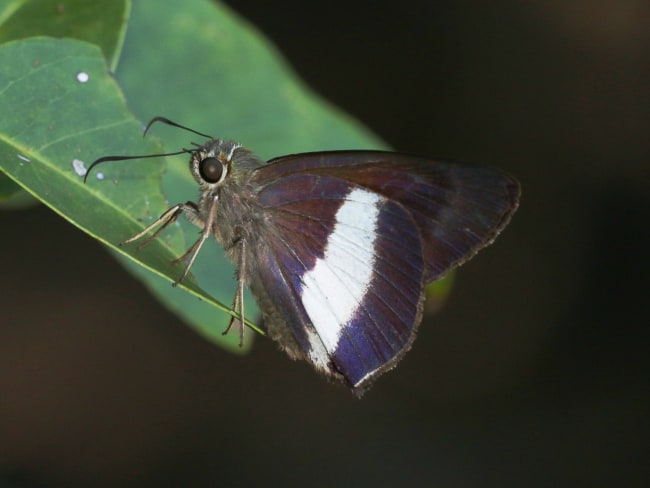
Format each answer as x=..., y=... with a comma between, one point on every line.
x=79, y=167
x=82, y=77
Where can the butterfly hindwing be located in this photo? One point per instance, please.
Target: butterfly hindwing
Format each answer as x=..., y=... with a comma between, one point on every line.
x=352, y=267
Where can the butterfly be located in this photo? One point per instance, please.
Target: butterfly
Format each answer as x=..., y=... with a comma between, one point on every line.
x=338, y=246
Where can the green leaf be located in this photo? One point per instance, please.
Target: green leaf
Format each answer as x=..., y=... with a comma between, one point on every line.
x=225, y=79
x=8, y=189
x=222, y=78
x=58, y=124
x=100, y=22
x=437, y=294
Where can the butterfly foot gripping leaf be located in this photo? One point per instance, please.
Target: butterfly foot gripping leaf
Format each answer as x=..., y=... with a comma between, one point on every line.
x=337, y=247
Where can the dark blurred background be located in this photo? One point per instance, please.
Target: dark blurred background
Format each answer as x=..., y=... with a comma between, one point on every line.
x=534, y=374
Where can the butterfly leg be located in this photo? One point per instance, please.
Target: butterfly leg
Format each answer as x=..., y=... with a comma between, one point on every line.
x=190, y=211
x=208, y=224
x=168, y=217
x=238, y=301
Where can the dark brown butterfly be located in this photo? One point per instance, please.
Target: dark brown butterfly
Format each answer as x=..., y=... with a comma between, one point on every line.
x=338, y=246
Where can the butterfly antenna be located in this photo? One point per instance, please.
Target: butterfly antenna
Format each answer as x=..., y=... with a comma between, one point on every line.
x=165, y=120
x=106, y=159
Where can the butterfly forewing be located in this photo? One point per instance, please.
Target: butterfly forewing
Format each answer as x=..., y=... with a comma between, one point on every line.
x=351, y=239
x=353, y=264
x=458, y=208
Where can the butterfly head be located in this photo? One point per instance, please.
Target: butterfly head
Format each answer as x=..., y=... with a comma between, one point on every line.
x=211, y=163
x=217, y=160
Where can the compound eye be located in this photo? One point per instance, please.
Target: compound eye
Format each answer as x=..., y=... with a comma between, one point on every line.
x=211, y=170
